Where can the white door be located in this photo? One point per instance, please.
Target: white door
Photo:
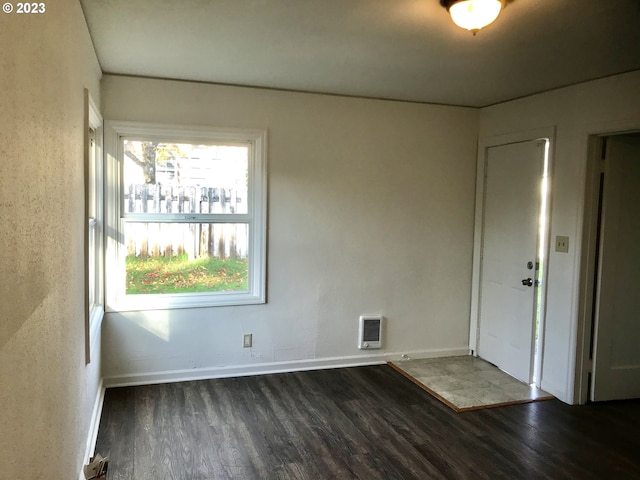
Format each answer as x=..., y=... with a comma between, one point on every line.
x=509, y=255
x=616, y=372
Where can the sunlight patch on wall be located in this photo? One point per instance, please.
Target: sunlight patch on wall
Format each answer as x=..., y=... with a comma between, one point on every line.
x=157, y=324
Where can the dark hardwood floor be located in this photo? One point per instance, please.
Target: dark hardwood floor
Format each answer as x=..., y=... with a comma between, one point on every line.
x=366, y=423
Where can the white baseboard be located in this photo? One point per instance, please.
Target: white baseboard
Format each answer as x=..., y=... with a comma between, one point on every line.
x=273, y=367
x=94, y=426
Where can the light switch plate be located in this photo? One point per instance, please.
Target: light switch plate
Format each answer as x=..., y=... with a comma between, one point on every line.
x=562, y=244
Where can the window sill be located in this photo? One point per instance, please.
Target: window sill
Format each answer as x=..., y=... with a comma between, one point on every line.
x=135, y=303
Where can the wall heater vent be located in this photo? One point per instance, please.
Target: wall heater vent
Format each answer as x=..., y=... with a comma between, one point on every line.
x=370, y=334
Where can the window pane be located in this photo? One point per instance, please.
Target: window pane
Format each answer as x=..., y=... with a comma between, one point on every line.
x=184, y=178
x=186, y=257
x=91, y=260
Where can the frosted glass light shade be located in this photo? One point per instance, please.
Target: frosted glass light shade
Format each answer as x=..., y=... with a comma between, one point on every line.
x=475, y=14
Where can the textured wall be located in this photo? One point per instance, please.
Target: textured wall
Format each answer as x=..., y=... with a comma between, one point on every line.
x=46, y=391
x=371, y=208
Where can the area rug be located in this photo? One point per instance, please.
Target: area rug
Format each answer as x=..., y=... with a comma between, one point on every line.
x=468, y=383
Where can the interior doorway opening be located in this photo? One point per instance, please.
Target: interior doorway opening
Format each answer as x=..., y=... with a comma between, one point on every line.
x=610, y=367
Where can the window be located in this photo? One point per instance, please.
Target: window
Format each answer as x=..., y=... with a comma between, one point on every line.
x=94, y=263
x=187, y=210
x=94, y=225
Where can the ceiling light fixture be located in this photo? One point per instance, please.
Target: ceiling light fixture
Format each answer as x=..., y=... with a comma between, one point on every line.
x=473, y=14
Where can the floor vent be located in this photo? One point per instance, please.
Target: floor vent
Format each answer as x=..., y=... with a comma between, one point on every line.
x=370, y=334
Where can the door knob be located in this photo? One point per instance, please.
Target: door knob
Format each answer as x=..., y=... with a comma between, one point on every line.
x=527, y=282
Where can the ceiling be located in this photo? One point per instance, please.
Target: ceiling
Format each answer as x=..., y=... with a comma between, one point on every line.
x=394, y=49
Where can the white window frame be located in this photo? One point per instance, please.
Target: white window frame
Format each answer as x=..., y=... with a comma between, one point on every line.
x=94, y=213
x=117, y=299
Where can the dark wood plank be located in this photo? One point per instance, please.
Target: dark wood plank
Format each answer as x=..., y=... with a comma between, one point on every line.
x=355, y=423
x=116, y=431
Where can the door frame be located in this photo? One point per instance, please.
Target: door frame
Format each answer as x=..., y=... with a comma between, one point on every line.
x=484, y=143
x=588, y=255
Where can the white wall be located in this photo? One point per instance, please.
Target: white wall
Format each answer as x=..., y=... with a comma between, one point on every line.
x=371, y=207
x=47, y=394
x=602, y=106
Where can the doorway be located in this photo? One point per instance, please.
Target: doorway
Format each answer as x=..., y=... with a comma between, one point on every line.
x=511, y=257
x=614, y=261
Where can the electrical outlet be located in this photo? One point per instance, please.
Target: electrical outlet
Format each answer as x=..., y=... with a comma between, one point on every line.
x=247, y=340
x=562, y=244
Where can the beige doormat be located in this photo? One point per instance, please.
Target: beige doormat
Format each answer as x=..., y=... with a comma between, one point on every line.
x=468, y=383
